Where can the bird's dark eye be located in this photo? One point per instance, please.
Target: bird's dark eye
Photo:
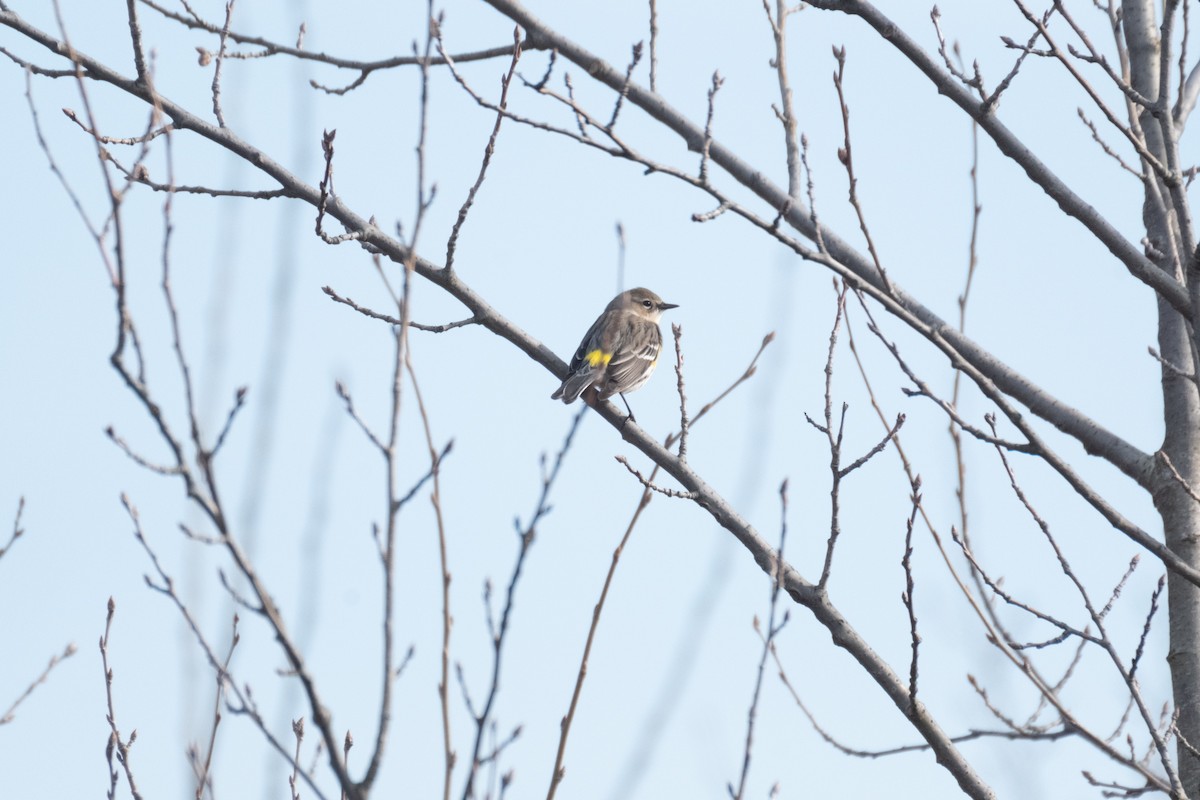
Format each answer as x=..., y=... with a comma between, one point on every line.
x=648, y=304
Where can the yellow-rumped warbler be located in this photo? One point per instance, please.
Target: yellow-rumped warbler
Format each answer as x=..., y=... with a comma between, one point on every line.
x=620, y=350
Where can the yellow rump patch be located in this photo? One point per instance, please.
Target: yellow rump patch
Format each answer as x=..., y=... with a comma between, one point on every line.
x=598, y=358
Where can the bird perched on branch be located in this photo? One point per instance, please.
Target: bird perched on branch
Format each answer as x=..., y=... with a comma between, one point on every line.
x=620, y=351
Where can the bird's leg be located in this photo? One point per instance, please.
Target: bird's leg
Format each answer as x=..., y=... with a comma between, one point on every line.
x=630, y=418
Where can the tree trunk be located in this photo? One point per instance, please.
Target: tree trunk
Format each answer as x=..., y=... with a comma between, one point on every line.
x=1181, y=403
x=1181, y=526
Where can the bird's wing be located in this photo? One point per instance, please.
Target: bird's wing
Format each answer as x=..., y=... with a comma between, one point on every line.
x=587, y=365
x=629, y=363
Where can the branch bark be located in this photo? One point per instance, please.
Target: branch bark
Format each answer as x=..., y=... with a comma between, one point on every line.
x=1181, y=405
x=369, y=234
x=1096, y=439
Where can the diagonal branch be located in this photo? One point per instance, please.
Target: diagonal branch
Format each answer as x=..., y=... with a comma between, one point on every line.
x=801, y=590
x=1097, y=440
x=1127, y=252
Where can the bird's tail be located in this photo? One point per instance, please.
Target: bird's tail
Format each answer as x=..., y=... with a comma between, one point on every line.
x=573, y=386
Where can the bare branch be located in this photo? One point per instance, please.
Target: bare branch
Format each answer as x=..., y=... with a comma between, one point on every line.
x=1010, y=144
x=1091, y=126
x=1130, y=133
x=677, y=332
x=653, y=46
x=654, y=487
x=993, y=99
x=973, y=83
x=34, y=69
x=327, y=194
x=17, y=530
x=55, y=660
x=907, y=595
x=203, y=767
x=435, y=498
x=878, y=448
x=644, y=501
x=1141, y=647
x=1171, y=367
x=221, y=52
x=717, y=81
x=785, y=113
x=846, y=156
x=526, y=536
x=161, y=469
x=768, y=638
x=1183, y=484
x=505, y=82
x=135, y=34
x=239, y=400
x=118, y=747
x=298, y=732
x=271, y=48
x=241, y=694
x=834, y=439
x=635, y=58
x=367, y=312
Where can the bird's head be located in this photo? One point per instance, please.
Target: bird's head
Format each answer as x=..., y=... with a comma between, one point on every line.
x=642, y=302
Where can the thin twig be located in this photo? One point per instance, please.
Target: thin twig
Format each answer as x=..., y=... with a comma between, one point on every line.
x=435, y=499
x=221, y=53
x=388, y=318
x=489, y=150
x=298, y=732
x=643, y=501
x=646, y=482
x=240, y=692
x=55, y=660
x=992, y=100
x=344, y=393
x=393, y=460
x=203, y=768
x=1171, y=367
x=768, y=639
x=1183, y=483
x=1108, y=150
x=135, y=35
x=328, y=195
x=653, y=46
x=118, y=747
x=846, y=156
x=527, y=535
x=1141, y=647
x=634, y=58
x=717, y=82
x=889, y=436
x=973, y=83
x=907, y=595
x=17, y=530
x=677, y=332
x=834, y=438
x=297, y=51
x=785, y=113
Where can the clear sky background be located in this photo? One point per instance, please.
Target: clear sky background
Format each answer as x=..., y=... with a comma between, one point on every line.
x=664, y=709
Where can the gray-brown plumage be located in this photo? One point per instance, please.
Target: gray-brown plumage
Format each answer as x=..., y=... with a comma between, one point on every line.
x=620, y=351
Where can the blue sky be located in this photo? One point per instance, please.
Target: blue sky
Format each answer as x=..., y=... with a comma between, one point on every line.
x=676, y=652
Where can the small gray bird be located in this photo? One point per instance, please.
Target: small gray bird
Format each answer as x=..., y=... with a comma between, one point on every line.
x=620, y=350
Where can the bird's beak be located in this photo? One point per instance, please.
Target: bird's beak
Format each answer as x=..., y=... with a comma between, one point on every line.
x=665, y=306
